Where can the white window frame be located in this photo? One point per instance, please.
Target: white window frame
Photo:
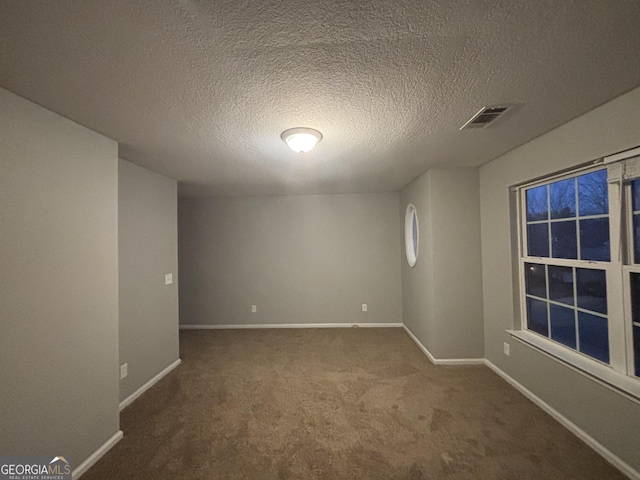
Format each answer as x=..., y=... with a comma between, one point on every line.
x=411, y=246
x=630, y=266
x=619, y=373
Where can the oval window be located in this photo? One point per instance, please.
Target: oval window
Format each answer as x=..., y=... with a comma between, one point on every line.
x=411, y=234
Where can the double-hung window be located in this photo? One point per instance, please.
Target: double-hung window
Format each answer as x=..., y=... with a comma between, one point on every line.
x=579, y=268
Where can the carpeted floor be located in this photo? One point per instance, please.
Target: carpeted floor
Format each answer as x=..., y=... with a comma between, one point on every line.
x=336, y=404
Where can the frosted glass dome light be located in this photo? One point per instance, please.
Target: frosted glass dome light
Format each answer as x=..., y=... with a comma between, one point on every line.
x=301, y=140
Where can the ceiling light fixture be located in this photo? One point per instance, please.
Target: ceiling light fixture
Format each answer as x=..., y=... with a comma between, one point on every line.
x=301, y=139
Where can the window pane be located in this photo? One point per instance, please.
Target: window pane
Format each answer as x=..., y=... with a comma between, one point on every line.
x=414, y=221
x=535, y=280
x=636, y=238
x=636, y=349
x=537, y=203
x=593, y=191
x=538, y=240
x=635, y=297
x=537, y=316
x=561, y=284
x=562, y=196
x=594, y=336
x=563, y=325
x=594, y=239
x=635, y=189
x=591, y=287
x=564, y=240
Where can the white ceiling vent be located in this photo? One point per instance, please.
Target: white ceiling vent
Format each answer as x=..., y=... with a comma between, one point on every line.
x=486, y=116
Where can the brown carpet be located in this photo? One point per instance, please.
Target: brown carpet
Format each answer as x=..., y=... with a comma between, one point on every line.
x=336, y=404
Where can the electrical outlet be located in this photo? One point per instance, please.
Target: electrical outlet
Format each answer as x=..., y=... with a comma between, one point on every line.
x=507, y=349
x=364, y=307
x=168, y=279
x=254, y=308
x=124, y=370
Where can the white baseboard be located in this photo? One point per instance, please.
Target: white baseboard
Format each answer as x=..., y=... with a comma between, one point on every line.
x=291, y=325
x=443, y=361
x=97, y=455
x=569, y=425
x=127, y=401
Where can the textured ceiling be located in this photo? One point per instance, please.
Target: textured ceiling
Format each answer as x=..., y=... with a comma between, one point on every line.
x=201, y=90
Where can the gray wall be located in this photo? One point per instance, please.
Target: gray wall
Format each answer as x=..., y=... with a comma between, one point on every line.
x=442, y=294
x=300, y=259
x=59, y=287
x=418, y=281
x=147, y=250
x=608, y=417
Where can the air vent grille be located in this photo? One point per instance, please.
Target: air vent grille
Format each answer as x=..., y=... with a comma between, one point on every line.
x=485, y=117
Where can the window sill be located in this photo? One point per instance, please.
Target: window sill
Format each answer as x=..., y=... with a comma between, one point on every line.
x=599, y=372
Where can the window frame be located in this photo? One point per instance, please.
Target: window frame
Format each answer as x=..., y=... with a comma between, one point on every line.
x=619, y=372
x=630, y=266
x=411, y=244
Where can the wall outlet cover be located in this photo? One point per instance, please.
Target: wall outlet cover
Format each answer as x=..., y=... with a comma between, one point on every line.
x=364, y=307
x=168, y=279
x=254, y=308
